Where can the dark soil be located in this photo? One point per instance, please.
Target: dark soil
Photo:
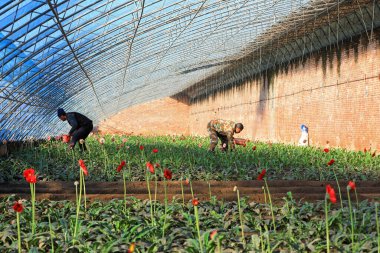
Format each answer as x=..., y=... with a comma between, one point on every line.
x=306, y=190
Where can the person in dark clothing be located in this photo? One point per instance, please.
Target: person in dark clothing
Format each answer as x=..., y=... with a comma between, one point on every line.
x=81, y=126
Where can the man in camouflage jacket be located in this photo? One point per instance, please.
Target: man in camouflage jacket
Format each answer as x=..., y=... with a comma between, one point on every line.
x=224, y=130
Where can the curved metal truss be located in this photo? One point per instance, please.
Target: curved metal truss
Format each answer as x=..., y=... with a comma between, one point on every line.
x=100, y=56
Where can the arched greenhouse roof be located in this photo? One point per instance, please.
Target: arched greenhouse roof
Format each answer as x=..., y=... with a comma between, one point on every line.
x=98, y=57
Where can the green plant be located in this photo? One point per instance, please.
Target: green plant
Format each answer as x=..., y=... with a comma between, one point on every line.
x=351, y=186
x=240, y=215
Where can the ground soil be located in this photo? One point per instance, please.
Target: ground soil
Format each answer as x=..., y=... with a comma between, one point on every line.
x=305, y=190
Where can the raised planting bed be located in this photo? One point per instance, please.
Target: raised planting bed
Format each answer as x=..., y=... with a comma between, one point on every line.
x=222, y=190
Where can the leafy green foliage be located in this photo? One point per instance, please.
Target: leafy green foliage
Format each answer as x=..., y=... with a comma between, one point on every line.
x=106, y=228
x=188, y=156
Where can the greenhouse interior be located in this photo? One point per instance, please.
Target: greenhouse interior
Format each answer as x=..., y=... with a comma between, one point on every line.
x=200, y=126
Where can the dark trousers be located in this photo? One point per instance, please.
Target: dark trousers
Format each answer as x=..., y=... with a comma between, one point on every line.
x=81, y=133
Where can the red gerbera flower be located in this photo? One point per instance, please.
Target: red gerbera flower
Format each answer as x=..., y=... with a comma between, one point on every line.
x=213, y=234
x=254, y=148
x=66, y=138
x=352, y=185
x=262, y=174
x=365, y=150
x=195, y=202
x=18, y=207
x=120, y=167
x=29, y=172
x=326, y=150
x=150, y=167
x=83, y=167
x=32, y=179
x=157, y=165
x=141, y=147
x=155, y=150
x=167, y=174
x=332, y=161
x=330, y=191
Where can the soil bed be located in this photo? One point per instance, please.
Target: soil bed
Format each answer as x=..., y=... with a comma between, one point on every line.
x=222, y=190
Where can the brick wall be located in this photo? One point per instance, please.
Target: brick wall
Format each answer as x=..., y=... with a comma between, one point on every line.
x=160, y=117
x=336, y=95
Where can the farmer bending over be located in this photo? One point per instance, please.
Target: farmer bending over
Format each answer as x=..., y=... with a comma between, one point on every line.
x=81, y=126
x=224, y=130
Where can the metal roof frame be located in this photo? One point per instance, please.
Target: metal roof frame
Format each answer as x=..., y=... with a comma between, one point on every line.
x=99, y=57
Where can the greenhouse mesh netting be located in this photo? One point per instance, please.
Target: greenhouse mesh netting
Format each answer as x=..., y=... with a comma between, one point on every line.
x=99, y=57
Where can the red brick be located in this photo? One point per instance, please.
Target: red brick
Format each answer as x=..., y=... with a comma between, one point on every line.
x=340, y=108
x=159, y=117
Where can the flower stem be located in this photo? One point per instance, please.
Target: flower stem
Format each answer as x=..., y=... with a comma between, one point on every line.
x=33, y=193
x=327, y=226
x=351, y=218
x=125, y=193
x=76, y=194
x=166, y=207
x=150, y=198
x=265, y=195
x=191, y=189
x=340, y=194
x=51, y=233
x=183, y=196
x=18, y=232
x=267, y=237
x=218, y=246
x=84, y=193
x=155, y=193
x=271, y=205
x=240, y=217
x=377, y=228
x=78, y=203
x=198, y=230
x=261, y=235
x=105, y=158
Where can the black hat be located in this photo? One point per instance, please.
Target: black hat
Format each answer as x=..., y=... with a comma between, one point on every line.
x=60, y=112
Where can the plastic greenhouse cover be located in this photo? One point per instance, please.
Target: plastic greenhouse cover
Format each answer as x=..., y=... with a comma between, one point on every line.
x=99, y=57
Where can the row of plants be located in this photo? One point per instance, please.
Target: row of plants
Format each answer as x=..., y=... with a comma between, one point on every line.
x=188, y=156
x=211, y=225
